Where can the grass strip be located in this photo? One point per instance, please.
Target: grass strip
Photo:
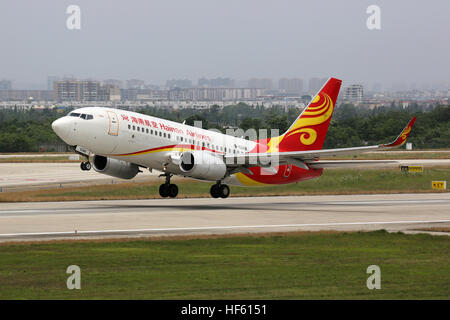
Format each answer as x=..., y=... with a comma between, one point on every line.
x=335, y=181
x=307, y=265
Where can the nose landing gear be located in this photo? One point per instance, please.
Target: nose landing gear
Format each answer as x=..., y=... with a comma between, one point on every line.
x=85, y=166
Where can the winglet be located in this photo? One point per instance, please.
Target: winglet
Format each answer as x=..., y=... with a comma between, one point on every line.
x=401, y=139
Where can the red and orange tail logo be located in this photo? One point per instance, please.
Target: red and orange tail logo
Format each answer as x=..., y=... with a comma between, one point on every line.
x=309, y=130
x=401, y=139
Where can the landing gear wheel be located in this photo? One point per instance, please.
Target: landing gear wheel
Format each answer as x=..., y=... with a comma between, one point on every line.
x=220, y=190
x=164, y=190
x=85, y=166
x=224, y=191
x=214, y=191
x=173, y=190
x=168, y=189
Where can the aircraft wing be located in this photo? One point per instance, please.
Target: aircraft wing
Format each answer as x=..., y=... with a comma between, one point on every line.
x=310, y=158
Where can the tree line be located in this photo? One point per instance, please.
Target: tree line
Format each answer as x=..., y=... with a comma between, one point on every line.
x=25, y=131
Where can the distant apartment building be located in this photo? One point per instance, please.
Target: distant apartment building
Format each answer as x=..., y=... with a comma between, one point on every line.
x=113, y=82
x=90, y=91
x=260, y=83
x=67, y=90
x=85, y=90
x=215, y=94
x=144, y=94
x=294, y=85
x=191, y=94
x=159, y=94
x=315, y=84
x=353, y=92
x=114, y=93
x=5, y=85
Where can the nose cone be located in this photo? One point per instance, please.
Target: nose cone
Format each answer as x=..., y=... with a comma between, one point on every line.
x=61, y=127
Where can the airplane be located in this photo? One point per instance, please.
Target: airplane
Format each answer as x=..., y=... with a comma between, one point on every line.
x=122, y=142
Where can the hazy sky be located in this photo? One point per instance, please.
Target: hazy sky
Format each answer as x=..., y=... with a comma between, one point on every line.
x=162, y=39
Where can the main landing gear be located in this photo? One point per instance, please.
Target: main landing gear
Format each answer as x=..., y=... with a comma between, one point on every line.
x=220, y=190
x=85, y=166
x=168, y=189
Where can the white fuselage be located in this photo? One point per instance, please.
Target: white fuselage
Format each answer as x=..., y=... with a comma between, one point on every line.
x=141, y=139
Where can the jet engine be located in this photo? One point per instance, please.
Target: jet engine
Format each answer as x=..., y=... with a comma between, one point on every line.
x=116, y=168
x=202, y=165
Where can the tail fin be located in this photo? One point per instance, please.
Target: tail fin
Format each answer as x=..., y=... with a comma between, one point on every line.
x=309, y=130
x=401, y=139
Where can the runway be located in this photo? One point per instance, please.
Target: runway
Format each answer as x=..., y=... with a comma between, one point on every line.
x=14, y=175
x=137, y=218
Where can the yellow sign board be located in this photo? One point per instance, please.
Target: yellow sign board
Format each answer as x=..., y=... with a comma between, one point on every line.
x=439, y=185
x=411, y=168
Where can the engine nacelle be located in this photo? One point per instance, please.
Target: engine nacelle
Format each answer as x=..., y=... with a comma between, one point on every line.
x=202, y=165
x=116, y=168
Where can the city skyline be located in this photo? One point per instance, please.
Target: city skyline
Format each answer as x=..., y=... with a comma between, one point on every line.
x=47, y=84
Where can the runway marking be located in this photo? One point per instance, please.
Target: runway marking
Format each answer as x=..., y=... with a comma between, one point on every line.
x=231, y=204
x=217, y=228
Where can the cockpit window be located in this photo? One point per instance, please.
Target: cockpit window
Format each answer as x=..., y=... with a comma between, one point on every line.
x=84, y=116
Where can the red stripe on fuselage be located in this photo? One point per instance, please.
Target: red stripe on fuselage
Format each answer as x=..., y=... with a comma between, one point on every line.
x=184, y=146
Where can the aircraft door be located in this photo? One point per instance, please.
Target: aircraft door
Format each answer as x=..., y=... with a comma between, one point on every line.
x=113, y=127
